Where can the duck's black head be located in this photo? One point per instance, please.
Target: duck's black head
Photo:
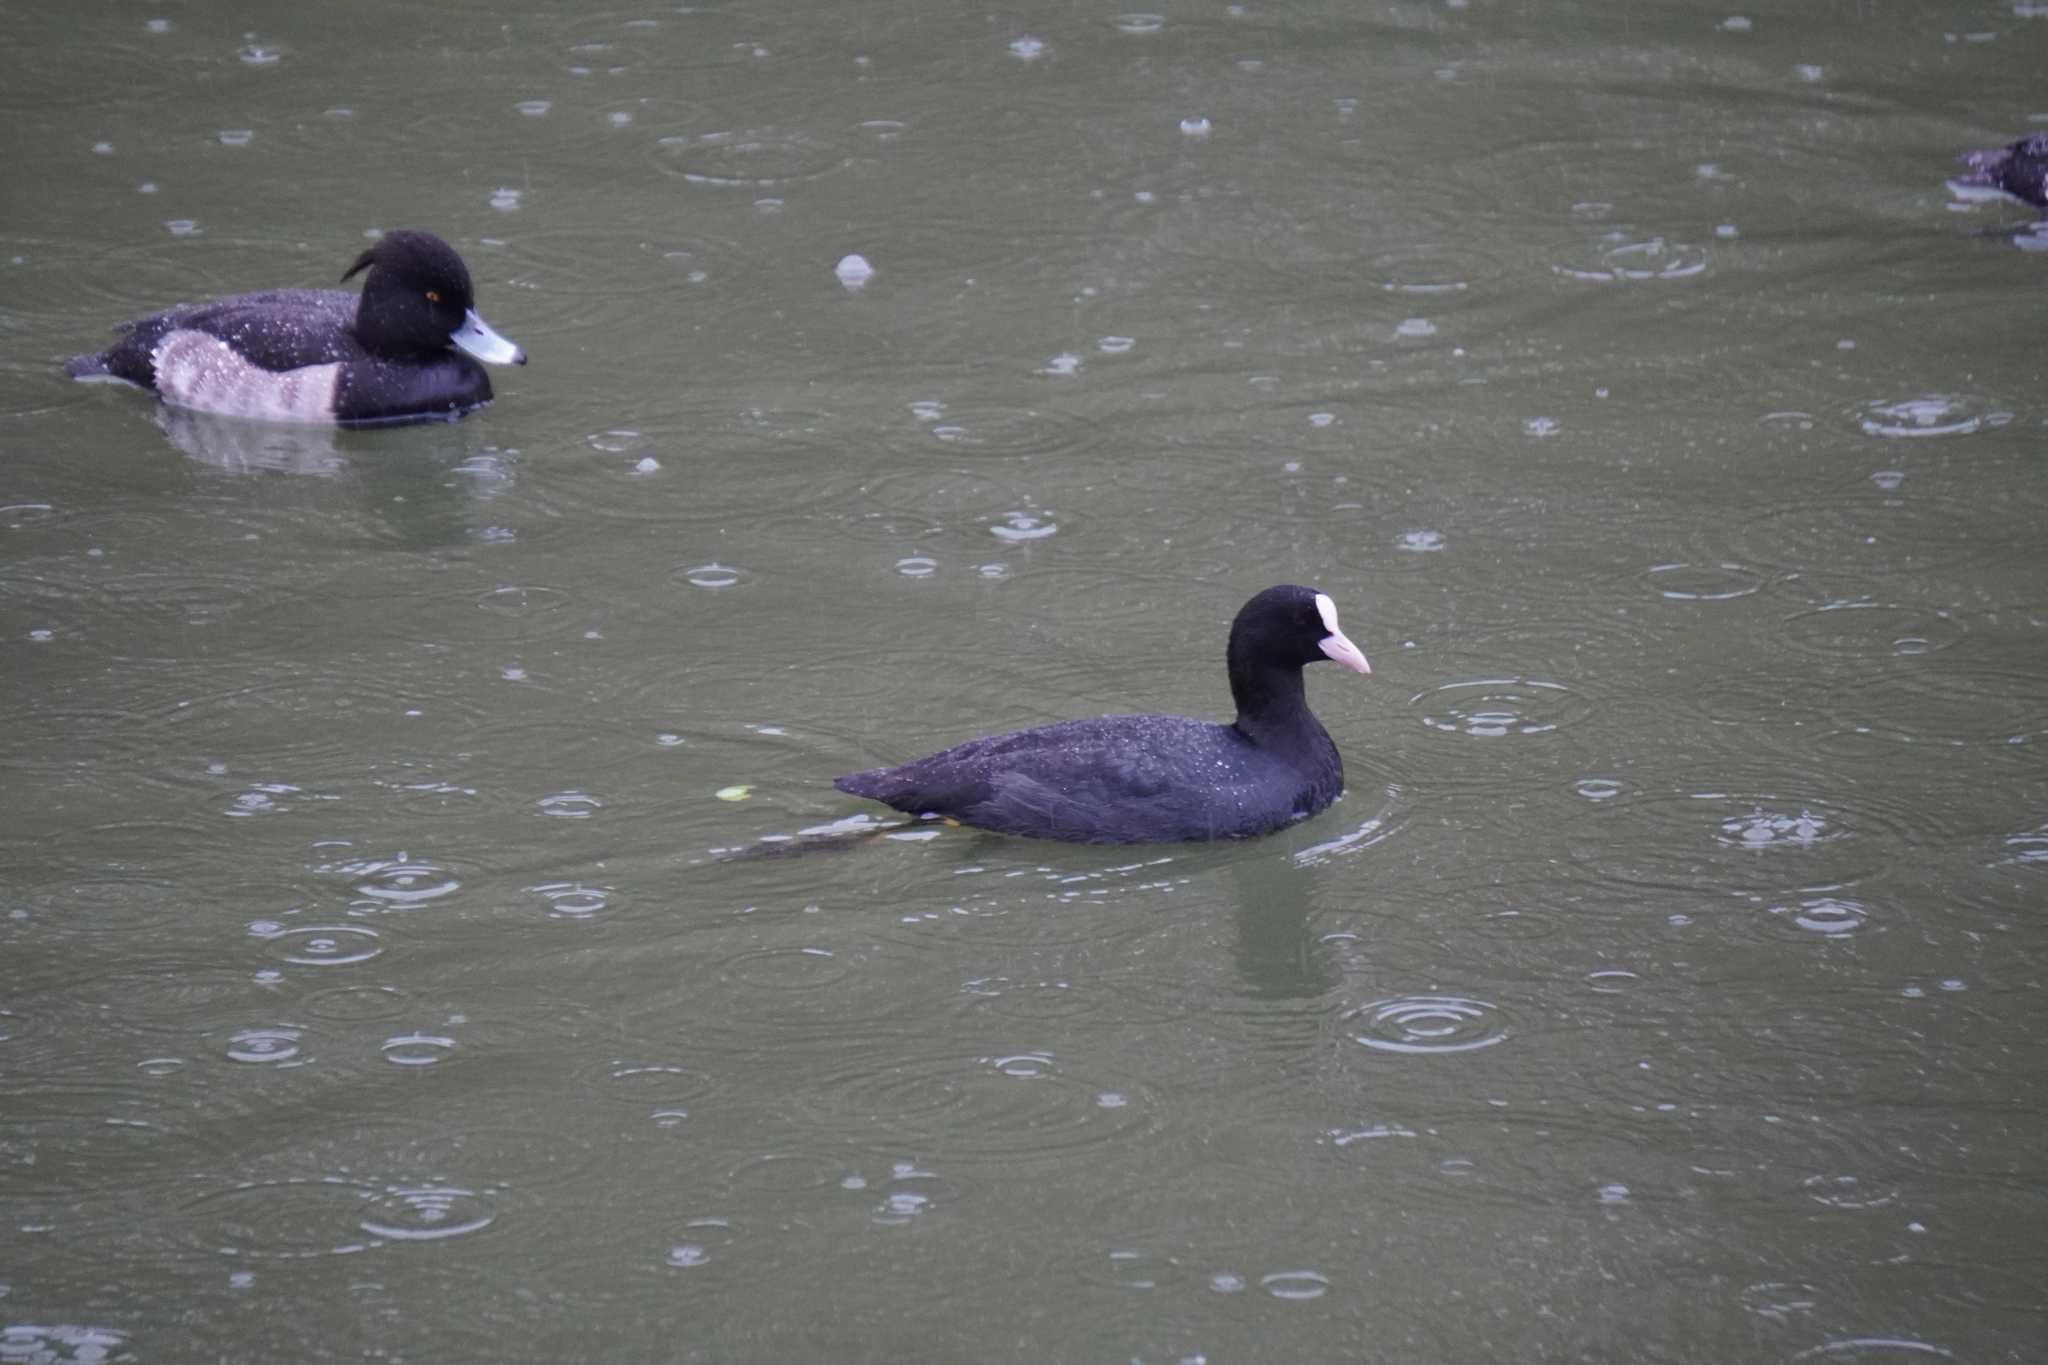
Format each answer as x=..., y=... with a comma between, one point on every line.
x=417, y=301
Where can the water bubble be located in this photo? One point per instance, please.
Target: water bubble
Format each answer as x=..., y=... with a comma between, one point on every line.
x=1114, y=345
x=1778, y=1300
x=534, y=108
x=1807, y=71
x=1028, y=49
x=1844, y=1192
x=1065, y=365
x=1597, y=788
x=416, y=1049
x=854, y=271
x=63, y=1343
x=158, y=26
x=257, y=55
x=917, y=566
x=1225, y=1282
x=1735, y=23
x=266, y=1046
x=714, y=576
x=1932, y=415
x=927, y=410
x=1018, y=527
x=1296, y=1285
x=1024, y=1065
x=570, y=805
x=181, y=227
x=1775, y=829
x=647, y=464
x=572, y=900
x=1139, y=23
x=1420, y=542
x=1196, y=126
x=1612, y=981
x=505, y=199
x=1425, y=1024
x=1415, y=327
x=262, y=798
x=1540, y=427
x=237, y=137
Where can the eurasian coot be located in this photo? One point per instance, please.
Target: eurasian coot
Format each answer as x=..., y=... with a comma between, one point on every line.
x=1155, y=779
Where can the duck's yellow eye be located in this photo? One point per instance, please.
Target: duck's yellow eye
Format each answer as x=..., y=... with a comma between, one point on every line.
x=432, y=297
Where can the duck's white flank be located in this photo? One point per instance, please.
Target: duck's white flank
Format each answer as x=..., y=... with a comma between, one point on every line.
x=194, y=370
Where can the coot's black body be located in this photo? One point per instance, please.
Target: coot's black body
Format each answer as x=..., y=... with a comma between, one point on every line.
x=2021, y=170
x=1155, y=779
x=400, y=352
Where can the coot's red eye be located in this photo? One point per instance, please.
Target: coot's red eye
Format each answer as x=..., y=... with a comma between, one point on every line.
x=432, y=297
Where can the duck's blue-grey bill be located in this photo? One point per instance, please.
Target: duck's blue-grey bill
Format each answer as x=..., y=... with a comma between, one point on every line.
x=476, y=337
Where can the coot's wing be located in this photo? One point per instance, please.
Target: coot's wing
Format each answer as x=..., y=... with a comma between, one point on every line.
x=1109, y=779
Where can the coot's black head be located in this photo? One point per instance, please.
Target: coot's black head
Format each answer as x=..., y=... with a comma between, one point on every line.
x=417, y=300
x=1287, y=627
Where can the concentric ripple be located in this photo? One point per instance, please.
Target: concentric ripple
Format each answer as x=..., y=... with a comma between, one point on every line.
x=284, y=1220
x=573, y=900
x=1721, y=582
x=1425, y=1024
x=400, y=883
x=425, y=1213
x=1940, y=414
x=1708, y=838
x=784, y=969
x=318, y=945
x=279, y=1045
x=653, y=1085
x=1846, y=1192
x=1650, y=259
x=1026, y=1106
x=1493, y=708
x=1872, y=628
x=753, y=158
x=969, y=430
x=1820, y=915
x=1876, y=1350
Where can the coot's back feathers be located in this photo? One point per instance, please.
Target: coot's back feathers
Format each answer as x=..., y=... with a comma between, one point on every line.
x=2020, y=169
x=1149, y=778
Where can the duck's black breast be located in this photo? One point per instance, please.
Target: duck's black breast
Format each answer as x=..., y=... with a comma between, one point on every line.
x=1115, y=779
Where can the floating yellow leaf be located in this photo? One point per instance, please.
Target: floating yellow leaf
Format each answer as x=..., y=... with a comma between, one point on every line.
x=739, y=793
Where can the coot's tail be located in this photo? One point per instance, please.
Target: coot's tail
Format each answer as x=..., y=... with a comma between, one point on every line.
x=874, y=784
x=92, y=366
